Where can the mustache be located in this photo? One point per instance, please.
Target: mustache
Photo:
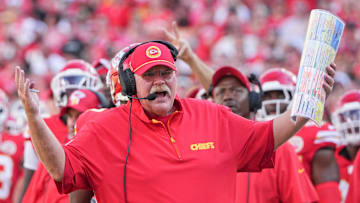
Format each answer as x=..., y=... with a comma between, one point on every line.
x=162, y=88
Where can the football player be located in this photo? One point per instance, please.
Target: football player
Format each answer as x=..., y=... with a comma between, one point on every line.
x=314, y=145
x=346, y=119
x=287, y=181
x=11, y=151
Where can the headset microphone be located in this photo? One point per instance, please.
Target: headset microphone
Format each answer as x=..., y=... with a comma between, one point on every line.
x=150, y=97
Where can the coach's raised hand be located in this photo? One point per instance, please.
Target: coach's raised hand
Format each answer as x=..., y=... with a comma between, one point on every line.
x=47, y=146
x=29, y=99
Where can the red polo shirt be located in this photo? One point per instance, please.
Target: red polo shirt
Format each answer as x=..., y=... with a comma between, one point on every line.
x=192, y=158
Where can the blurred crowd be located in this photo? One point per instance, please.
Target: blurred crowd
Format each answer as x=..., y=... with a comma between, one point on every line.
x=252, y=35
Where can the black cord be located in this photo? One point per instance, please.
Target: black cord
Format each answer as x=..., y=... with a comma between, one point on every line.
x=128, y=150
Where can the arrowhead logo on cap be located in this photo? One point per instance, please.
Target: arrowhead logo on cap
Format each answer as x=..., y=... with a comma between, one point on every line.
x=76, y=97
x=153, y=52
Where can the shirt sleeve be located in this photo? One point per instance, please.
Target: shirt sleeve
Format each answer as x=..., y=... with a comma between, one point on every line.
x=293, y=182
x=76, y=172
x=252, y=142
x=31, y=161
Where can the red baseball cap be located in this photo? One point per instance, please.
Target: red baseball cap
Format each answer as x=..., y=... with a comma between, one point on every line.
x=81, y=100
x=229, y=71
x=149, y=55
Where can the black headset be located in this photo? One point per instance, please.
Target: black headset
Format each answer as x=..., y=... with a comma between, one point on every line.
x=126, y=77
x=255, y=98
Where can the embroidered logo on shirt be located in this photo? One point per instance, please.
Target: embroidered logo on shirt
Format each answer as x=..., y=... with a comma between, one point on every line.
x=202, y=146
x=301, y=170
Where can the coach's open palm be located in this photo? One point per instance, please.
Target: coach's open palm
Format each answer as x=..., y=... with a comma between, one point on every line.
x=29, y=99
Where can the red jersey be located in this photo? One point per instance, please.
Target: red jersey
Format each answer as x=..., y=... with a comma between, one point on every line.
x=286, y=182
x=310, y=139
x=353, y=195
x=42, y=188
x=346, y=168
x=11, y=153
x=192, y=158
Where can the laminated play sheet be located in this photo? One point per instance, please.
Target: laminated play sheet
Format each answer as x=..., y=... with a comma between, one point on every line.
x=321, y=44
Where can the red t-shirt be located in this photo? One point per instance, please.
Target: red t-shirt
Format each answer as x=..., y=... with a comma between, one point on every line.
x=286, y=182
x=41, y=187
x=310, y=139
x=11, y=153
x=345, y=168
x=194, y=158
x=353, y=195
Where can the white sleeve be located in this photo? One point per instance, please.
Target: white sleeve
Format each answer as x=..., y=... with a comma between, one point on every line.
x=31, y=160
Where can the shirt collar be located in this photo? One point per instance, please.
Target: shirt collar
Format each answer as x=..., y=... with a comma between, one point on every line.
x=138, y=110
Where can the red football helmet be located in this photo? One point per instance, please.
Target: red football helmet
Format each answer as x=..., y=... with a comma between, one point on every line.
x=101, y=66
x=276, y=80
x=346, y=117
x=75, y=75
x=112, y=78
x=4, y=109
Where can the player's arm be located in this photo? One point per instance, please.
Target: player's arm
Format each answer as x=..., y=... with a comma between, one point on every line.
x=30, y=164
x=284, y=128
x=202, y=71
x=46, y=145
x=28, y=174
x=80, y=196
x=325, y=174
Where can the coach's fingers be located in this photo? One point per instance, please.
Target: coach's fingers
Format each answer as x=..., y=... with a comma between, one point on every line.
x=331, y=70
x=327, y=88
x=329, y=80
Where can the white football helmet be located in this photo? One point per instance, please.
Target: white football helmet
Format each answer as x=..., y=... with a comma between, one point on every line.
x=346, y=117
x=276, y=79
x=4, y=109
x=75, y=75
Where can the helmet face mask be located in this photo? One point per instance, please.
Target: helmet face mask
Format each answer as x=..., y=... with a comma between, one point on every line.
x=16, y=121
x=4, y=113
x=347, y=118
x=278, y=88
x=272, y=107
x=76, y=74
x=4, y=109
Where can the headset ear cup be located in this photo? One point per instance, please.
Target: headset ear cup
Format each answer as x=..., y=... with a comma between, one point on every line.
x=254, y=101
x=131, y=85
x=210, y=91
x=127, y=81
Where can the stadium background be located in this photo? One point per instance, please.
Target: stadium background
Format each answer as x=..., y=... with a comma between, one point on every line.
x=252, y=35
